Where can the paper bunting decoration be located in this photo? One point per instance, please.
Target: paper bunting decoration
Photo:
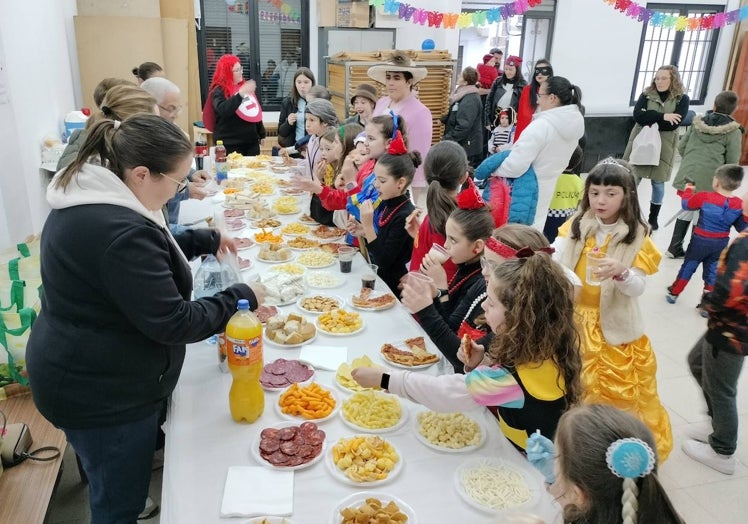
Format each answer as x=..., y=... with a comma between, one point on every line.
x=679, y=23
x=419, y=15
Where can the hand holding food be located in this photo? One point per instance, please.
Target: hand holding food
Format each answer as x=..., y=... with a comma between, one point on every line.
x=368, y=377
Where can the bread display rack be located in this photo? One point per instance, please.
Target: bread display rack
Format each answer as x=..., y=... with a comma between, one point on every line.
x=345, y=71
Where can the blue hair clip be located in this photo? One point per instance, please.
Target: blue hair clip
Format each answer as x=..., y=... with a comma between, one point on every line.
x=394, y=122
x=630, y=458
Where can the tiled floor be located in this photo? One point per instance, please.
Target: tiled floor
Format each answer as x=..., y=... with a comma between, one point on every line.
x=701, y=495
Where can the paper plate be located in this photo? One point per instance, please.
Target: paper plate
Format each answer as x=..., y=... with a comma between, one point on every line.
x=271, y=342
x=532, y=483
x=330, y=334
x=320, y=265
x=375, y=308
x=359, y=499
x=400, y=423
x=281, y=388
x=306, y=219
x=324, y=280
x=339, y=300
x=243, y=243
x=255, y=451
x=466, y=449
x=298, y=270
x=291, y=256
x=411, y=368
x=299, y=420
x=340, y=475
x=269, y=520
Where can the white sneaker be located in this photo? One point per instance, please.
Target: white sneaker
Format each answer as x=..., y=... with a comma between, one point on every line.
x=701, y=452
x=699, y=432
x=150, y=510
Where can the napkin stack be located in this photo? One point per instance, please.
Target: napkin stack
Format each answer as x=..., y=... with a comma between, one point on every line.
x=252, y=491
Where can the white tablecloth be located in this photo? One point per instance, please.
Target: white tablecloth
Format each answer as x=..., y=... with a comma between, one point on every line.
x=202, y=441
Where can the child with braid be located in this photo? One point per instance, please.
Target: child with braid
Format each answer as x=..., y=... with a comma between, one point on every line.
x=603, y=468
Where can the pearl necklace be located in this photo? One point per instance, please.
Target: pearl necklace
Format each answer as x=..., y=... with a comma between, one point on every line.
x=477, y=301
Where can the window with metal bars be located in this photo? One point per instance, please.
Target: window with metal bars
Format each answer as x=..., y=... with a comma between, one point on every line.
x=692, y=52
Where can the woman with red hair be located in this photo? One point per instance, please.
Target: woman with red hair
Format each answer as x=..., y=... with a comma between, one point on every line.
x=238, y=115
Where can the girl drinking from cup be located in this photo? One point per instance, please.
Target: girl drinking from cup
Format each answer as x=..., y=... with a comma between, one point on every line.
x=388, y=242
x=528, y=374
x=619, y=364
x=441, y=308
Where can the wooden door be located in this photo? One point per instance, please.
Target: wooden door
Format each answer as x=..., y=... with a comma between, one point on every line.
x=740, y=86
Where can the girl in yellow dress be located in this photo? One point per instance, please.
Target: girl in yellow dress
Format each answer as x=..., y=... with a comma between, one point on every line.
x=619, y=365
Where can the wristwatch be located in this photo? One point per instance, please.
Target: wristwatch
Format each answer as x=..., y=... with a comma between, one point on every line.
x=441, y=293
x=623, y=276
x=350, y=186
x=385, y=382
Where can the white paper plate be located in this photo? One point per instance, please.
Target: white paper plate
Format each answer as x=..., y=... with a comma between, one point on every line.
x=299, y=420
x=533, y=484
x=400, y=423
x=329, y=334
x=236, y=226
x=412, y=368
x=246, y=267
x=255, y=451
x=375, y=308
x=289, y=259
x=304, y=383
x=279, y=269
x=308, y=221
x=331, y=263
x=339, y=300
x=340, y=475
x=423, y=440
x=359, y=499
x=250, y=246
x=336, y=280
x=287, y=346
x=309, y=229
x=254, y=224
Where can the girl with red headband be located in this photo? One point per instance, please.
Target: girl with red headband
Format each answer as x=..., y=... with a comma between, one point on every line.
x=232, y=110
x=388, y=242
x=441, y=308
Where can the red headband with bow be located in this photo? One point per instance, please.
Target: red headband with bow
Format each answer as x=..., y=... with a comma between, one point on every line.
x=397, y=146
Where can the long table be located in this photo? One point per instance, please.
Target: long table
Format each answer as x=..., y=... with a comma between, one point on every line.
x=202, y=441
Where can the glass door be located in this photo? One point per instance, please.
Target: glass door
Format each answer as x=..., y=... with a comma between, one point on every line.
x=270, y=38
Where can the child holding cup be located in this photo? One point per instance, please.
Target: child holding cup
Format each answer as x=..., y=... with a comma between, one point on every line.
x=388, y=242
x=619, y=364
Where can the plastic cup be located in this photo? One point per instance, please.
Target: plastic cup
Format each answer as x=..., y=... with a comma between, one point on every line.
x=593, y=264
x=369, y=278
x=345, y=257
x=438, y=253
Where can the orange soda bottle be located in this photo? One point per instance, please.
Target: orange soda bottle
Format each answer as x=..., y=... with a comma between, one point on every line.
x=244, y=351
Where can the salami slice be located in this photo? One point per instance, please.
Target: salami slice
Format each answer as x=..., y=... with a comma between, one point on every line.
x=289, y=447
x=269, y=445
x=277, y=458
x=307, y=428
x=269, y=433
x=288, y=433
x=317, y=438
x=296, y=461
x=306, y=450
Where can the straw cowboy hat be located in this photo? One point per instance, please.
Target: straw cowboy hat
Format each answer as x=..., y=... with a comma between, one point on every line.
x=399, y=61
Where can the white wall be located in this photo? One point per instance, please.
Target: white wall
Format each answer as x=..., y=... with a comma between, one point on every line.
x=596, y=47
x=36, y=39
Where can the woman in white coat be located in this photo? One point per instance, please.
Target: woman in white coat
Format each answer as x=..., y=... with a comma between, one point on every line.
x=547, y=143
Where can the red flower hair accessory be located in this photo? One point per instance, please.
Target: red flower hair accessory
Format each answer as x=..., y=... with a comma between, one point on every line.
x=469, y=198
x=397, y=146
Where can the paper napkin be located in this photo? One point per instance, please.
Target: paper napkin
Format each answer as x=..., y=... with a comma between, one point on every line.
x=254, y=490
x=324, y=357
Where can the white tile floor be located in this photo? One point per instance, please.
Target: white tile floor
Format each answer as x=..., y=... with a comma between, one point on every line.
x=701, y=495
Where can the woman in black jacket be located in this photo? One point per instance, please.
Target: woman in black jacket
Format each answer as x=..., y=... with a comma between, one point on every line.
x=505, y=91
x=291, y=118
x=108, y=346
x=463, y=123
